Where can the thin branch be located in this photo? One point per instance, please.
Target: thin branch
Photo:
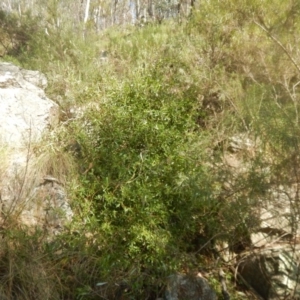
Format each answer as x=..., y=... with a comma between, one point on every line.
x=278, y=43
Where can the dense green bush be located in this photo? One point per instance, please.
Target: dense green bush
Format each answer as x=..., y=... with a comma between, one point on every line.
x=151, y=187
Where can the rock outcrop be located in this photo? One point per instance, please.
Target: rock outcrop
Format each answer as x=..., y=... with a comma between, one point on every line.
x=272, y=267
x=270, y=260
x=273, y=271
x=26, y=115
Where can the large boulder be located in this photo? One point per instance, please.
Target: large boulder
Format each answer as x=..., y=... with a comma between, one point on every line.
x=27, y=116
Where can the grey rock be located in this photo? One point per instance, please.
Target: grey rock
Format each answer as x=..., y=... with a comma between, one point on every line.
x=183, y=287
x=36, y=78
x=49, y=202
x=278, y=216
x=240, y=142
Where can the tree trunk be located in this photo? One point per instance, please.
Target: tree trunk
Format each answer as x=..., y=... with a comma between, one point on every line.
x=87, y=9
